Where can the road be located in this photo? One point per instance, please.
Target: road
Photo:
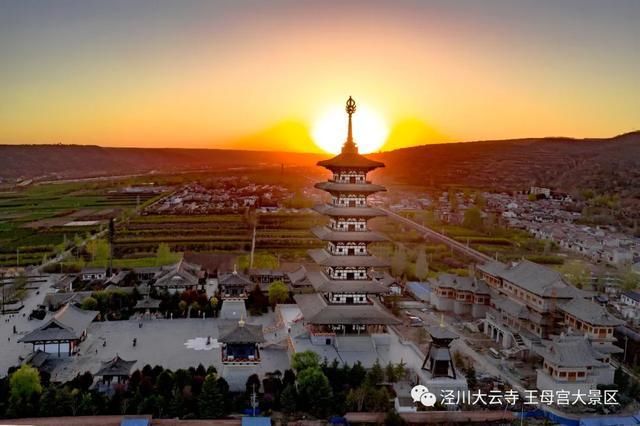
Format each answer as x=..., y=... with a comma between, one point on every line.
x=433, y=235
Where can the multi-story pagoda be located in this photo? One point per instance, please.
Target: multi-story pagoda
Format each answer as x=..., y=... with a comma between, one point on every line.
x=346, y=293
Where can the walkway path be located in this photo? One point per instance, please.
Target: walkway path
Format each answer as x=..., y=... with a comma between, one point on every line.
x=433, y=235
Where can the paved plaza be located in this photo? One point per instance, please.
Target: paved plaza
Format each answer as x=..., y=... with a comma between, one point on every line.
x=11, y=352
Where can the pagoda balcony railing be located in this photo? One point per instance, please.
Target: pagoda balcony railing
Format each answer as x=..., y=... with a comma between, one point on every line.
x=361, y=182
x=349, y=254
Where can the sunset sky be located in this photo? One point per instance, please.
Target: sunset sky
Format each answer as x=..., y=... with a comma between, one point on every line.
x=259, y=74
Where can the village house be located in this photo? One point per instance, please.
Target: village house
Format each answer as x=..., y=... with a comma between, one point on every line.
x=630, y=305
x=92, y=274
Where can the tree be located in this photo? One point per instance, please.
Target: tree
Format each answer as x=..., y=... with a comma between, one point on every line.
x=210, y=402
x=99, y=250
x=315, y=391
x=472, y=381
x=393, y=419
x=422, y=267
x=301, y=361
x=576, y=272
x=375, y=375
x=630, y=280
x=164, y=255
x=89, y=304
x=391, y=373
x=399, y=261
x=289, y=399
x=472, y=219
x=25, y=382
x=278, y=293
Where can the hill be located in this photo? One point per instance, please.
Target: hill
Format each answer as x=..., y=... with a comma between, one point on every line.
x=605, y=165
x=611, y=164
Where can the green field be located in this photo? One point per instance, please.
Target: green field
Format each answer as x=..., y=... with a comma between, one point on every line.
x=32, y=219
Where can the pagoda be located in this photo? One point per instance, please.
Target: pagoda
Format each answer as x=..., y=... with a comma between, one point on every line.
x=346, y=292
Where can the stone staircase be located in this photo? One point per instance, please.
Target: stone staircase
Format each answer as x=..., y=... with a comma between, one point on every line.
x=518, y=341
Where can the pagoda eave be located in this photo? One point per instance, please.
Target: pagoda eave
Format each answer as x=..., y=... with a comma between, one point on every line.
x=324, y=258
x=326, y=234
x=364, y=212
x=352, y=188
x=350, y=161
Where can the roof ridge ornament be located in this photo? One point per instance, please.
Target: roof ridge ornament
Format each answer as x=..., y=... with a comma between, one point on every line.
x=350, y=146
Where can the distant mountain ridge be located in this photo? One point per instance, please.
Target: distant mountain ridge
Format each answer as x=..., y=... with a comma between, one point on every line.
x=559, y=162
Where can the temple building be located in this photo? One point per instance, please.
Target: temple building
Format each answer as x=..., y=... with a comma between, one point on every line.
x=571, y=363
x=345, y=299
x=115, y=369
x=234, y=285
x=234, y=290
x=62, y=334
x=240, y=343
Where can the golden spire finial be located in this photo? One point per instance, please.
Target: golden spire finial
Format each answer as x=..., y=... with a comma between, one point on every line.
x=241, y=322
x=350, y=146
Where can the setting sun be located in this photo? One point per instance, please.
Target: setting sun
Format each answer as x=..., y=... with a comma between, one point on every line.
x=370, y=130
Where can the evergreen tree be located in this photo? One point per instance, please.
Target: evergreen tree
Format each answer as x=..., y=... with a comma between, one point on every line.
x=422, y=267
x=289, y=399
x=314, y=391
x=399, y=261
x=210, y=402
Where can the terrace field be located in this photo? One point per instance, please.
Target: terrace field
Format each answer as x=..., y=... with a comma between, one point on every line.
x=40, y=219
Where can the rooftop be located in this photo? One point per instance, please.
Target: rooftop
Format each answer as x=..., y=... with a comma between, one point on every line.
x=116, y=367
x=241, y=332
x=590, y=312
x=315, y=310
x=326, y=234
x=571, y=351
x=68, y=323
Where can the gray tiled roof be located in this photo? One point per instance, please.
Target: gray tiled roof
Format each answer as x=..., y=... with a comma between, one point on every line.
x=493, y=268
x=539, y=280
x=234, y=279
x=458, y=282
x=590, y=312
x=315, y=310
x=326, y=234
x=67, y=324
x=349, y=187
x=324, y=258
x=571, y=351
x=179, y=275
x=116, y=367
x=441, y=333
x=330, y=210
x=297, y=276
x=240, y=332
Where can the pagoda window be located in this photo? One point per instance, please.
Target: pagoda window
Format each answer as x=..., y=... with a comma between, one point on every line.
x=349, y=177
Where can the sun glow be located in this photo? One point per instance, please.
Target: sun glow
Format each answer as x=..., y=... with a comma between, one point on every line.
x=370, y=130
